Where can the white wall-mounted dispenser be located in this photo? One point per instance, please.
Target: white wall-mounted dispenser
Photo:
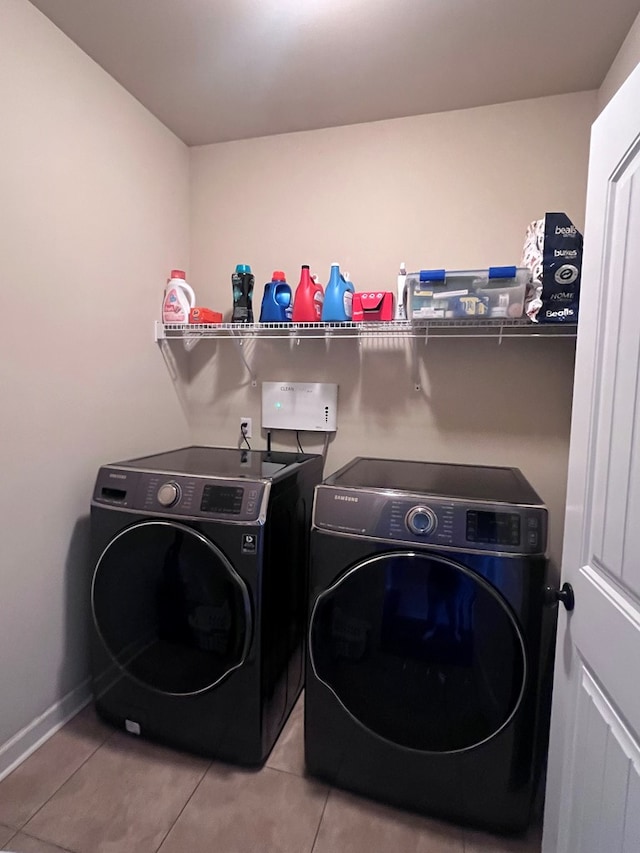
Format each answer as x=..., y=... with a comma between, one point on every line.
x=311, y=406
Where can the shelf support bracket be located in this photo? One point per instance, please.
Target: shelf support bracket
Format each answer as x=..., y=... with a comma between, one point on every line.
x=417, y=385
x=240, y=349
x=191, y=342
x=169, y=359
x=172, y=367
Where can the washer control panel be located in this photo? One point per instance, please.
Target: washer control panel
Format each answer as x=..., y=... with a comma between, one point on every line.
x=426, y=520
x=408, y=520
x=171, y=495
x=168, y=494
x=421, y=520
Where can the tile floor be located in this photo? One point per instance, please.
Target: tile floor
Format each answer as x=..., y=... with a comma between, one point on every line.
x=91, y=789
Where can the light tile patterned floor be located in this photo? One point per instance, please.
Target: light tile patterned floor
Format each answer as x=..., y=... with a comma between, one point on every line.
x=91, y=789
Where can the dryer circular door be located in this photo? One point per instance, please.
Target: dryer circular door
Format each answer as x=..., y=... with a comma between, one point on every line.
x=419, y=650
x=170, y=609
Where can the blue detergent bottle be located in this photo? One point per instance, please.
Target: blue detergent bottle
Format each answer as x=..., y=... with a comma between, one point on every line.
x=338, y=297
x=276, y=300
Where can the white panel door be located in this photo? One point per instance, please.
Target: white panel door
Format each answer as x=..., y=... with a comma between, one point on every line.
x=593, y=785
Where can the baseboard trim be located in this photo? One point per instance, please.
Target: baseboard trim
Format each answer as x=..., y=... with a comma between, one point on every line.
x=27, y=740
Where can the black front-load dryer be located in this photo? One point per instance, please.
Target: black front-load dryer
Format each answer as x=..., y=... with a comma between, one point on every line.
x=427, y=638
x=199, y=596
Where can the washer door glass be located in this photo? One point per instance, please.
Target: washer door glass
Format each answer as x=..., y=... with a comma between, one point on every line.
x=420, y=651
x=170, y=608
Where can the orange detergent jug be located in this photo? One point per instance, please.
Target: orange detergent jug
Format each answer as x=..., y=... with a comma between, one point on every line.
x=308, y=299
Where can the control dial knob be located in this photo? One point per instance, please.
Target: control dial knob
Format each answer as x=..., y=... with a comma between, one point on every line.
x=421, y=520
x=168, y=494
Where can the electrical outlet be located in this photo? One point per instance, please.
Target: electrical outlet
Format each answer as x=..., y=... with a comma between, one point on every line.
x=248, y=429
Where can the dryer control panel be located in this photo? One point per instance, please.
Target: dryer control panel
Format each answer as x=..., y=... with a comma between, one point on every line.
x=434, y=521
x=171, y=495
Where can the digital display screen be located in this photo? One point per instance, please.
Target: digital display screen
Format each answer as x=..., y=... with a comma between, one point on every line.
x=493, y=528
x=222, y=499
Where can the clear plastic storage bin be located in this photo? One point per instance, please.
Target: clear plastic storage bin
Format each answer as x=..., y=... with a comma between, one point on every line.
x=493, y=293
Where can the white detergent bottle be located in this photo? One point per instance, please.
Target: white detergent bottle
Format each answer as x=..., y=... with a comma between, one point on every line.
x=179, y=299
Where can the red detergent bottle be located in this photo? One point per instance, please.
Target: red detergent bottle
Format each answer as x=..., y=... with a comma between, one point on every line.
x=308, y=299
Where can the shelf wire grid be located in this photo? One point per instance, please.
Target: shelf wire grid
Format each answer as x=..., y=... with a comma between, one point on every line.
x=503, y=328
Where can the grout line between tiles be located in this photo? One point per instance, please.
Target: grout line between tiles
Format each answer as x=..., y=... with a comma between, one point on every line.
x=189, y=798
x=44, y=841
x=79, y=767
x=12, y=831
x=315, y=838
x=279, y=770
x=10, y=839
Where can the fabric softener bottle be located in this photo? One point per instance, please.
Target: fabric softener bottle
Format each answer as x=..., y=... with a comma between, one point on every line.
x=307, y=303
x=338, y=298
x=276, y=301
x=242, y=284
x=178, y=300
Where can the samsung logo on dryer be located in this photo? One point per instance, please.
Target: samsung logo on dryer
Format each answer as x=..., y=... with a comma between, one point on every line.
x=348, y=498
x=118, y=476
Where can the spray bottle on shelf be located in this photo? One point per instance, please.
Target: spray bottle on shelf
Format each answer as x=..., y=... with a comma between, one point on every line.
x=309, y=296
x=338, y=297
x=179, y=299
x=401, y=295
x=242, y=284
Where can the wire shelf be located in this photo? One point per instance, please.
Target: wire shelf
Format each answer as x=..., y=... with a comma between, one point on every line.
x=483, y=328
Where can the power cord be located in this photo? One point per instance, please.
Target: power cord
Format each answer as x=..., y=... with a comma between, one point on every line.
x=298, y=441
x=243, y=434
x=325, y=447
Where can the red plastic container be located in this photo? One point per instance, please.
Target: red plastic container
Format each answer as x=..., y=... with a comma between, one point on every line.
x=372, y=306
x=308, y=299
x=199, y=315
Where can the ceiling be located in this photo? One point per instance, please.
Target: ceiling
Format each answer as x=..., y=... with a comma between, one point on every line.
x=215, y=70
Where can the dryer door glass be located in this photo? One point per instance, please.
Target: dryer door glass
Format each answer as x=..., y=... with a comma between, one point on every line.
x=419, y=650
x=170, y=608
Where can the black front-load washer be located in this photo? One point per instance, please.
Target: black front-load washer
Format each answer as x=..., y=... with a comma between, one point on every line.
x=428, y=638
x=199, y=596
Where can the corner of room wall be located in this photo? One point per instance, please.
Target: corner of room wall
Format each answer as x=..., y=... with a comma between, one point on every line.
x=626, y=60
x=95, y=214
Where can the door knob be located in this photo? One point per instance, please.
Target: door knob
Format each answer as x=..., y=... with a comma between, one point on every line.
x=564, y=594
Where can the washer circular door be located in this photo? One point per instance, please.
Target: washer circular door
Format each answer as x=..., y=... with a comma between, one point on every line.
x=419, y=650
x=170, y=609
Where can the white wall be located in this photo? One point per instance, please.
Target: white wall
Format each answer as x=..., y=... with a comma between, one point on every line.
x=456, y=190
x=94, y=213
x=624, y=63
